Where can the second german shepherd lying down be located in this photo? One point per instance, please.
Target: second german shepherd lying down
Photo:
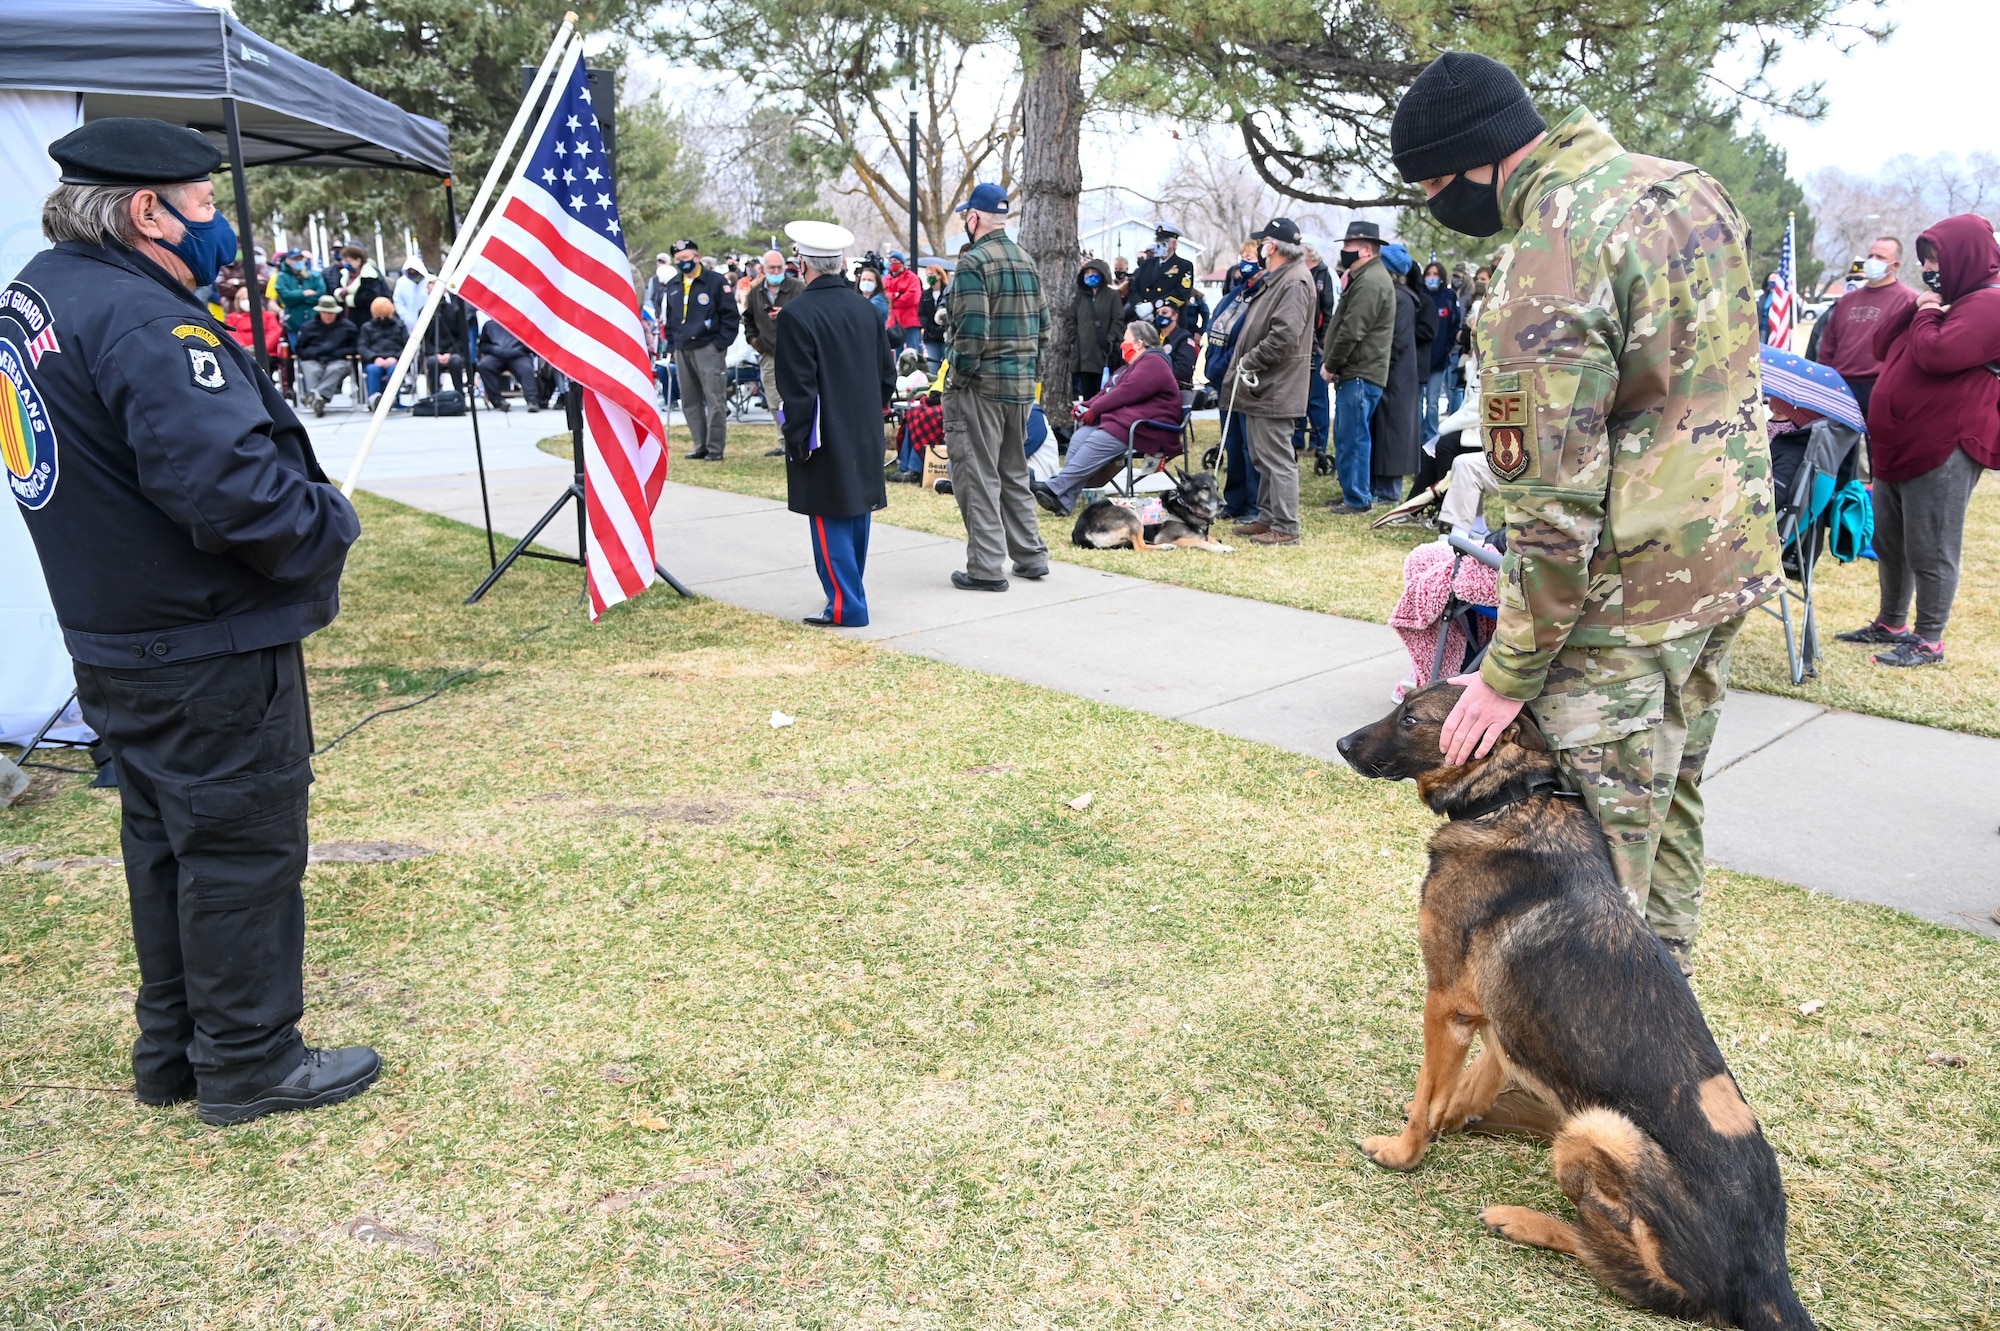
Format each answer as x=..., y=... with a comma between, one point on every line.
x=1195, y=503
x=1529, y=942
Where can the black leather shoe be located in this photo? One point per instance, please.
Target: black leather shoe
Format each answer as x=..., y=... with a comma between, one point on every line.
x=819, y=621
x=323, y=1077
x=966, y=583
x=1031, y=574
x=1048, y=499
x=777, y=452
x=694, y=457
x=160, y=1097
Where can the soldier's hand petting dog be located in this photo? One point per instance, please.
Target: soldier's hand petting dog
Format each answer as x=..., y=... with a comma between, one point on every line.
x=1476, y=721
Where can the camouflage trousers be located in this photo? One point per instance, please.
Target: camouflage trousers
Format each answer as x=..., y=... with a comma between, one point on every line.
x=1631, y=728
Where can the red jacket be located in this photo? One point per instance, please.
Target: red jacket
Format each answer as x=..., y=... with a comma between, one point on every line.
x=1145, y=390
x=238, y=324
x=904, y=291
x=1935, y=393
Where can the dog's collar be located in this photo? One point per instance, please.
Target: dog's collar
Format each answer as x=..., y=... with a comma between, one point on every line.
x=1500, y=799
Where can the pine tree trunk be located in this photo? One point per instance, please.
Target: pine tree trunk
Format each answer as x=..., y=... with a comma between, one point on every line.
x=1052, y=175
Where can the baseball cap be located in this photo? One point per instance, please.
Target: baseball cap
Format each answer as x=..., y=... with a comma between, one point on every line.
x=986, y=198
x=1280, y=229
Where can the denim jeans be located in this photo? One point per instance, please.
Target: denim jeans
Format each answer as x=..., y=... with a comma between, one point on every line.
x=378, y=377
x=1353, y=446
x=1433, y=389
x=1239, y=485
x=1454, y=385
x=1318, y=409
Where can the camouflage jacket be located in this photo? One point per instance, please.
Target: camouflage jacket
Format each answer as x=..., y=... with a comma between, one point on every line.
x=1621, y=406
x=999, y=321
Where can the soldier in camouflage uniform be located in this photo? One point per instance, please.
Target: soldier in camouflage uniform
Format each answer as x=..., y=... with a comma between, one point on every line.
x=1622, y=414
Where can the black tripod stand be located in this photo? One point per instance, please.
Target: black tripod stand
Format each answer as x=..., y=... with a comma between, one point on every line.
x=573, y=402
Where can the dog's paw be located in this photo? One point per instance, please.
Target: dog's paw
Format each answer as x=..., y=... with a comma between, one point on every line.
x=1391, y=1153
x=1516, y=1224
x=1225, y=549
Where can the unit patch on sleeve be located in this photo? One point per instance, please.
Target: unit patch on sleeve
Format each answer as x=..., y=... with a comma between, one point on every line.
x=27, y=435
x=1504, y=418
x=205, y=368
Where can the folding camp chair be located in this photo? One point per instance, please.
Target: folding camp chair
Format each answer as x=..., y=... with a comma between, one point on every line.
x=1813, y=458
x=1473, y=620
x=1179, y=428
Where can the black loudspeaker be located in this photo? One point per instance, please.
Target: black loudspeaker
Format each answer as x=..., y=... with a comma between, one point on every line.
x=603, y=95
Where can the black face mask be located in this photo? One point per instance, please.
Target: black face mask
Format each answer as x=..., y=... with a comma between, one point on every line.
x=1468, y=207
x=1934, y=279
x=1348, y=258
x=686, y=265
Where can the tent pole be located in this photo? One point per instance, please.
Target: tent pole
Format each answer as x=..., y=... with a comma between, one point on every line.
x=247, y=239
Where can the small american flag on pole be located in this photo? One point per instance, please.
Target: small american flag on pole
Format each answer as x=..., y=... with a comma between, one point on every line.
x=551, y=267
x=1782, y=312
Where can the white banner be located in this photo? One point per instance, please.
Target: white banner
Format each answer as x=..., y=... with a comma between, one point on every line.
x=35, y=670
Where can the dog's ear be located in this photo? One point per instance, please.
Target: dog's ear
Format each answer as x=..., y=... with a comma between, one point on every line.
x=1524, y=732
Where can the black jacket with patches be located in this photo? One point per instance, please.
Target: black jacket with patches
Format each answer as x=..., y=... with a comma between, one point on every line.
x=836, y=375
x=189, y=517
x=708, y=319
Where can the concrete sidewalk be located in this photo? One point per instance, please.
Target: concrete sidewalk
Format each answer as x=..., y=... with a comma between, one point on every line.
x=1851, y=805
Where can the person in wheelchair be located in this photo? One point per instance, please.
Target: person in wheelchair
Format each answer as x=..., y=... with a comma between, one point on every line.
x=1144, y=389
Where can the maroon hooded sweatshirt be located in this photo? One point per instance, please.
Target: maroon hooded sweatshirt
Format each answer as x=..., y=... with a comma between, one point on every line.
x=1935, y=393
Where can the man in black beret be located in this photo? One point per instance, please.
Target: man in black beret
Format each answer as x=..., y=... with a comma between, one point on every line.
x=190, y=542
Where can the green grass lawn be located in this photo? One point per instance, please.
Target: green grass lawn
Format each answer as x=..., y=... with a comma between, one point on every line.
x=1343, y=568
x=693, y=1022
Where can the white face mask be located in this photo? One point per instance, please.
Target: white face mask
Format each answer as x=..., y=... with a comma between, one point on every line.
x=867, y=286
x=1875, y=269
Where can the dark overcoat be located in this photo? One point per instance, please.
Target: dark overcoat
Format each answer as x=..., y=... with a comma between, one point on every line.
x=1398, y=417
x=836, y=374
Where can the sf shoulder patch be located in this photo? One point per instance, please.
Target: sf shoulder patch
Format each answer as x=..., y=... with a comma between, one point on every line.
x=27, y=435
x=1505, y=421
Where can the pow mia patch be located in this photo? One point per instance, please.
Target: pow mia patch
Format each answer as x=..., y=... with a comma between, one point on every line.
x=1504, y=413
x=205, y=368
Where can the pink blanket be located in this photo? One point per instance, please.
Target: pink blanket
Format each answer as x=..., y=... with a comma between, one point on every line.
x=1427, y=586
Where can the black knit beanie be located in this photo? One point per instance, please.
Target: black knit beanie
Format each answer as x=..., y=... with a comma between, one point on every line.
x=1463, y=111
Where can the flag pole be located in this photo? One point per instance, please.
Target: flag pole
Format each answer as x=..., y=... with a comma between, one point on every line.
x=565, y=35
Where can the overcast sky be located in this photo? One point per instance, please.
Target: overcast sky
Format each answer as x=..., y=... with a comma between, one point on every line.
x=1929, y=89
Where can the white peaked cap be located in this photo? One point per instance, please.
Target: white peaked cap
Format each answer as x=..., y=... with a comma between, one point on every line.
x=819, y=240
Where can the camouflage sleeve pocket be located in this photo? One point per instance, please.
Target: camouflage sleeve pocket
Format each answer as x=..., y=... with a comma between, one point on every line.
x=1544, y=424
x=1595, y=712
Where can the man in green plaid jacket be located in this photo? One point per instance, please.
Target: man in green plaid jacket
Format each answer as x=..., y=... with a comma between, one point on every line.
x=998, y=327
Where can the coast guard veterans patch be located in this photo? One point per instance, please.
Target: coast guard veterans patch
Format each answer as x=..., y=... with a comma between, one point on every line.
x=27, y=435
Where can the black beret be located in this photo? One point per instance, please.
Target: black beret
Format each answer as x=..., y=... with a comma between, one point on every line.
x=133, y=150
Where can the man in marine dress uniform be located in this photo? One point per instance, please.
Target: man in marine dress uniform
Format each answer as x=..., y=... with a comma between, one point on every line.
x=836, y=375
x=1619, y=377
x=227, y=541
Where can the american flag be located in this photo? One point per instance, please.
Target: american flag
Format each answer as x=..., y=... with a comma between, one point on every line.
x=550, y=266
x=1780, y=334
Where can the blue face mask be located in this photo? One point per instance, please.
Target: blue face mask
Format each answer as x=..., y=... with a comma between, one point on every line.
x=1092, y=280
x=775, y=279
x=204, y=246
x=1431, y=283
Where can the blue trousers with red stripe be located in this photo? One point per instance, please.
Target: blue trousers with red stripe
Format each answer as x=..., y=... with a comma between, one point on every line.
x=840, y=553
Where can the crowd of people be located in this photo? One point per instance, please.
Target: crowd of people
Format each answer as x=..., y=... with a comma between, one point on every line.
x=329, y=325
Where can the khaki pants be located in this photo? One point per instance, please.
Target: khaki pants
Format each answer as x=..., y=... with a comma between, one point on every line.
x=1632, y=728
x=986, y=450
x=1269, y=439
x=767, y=375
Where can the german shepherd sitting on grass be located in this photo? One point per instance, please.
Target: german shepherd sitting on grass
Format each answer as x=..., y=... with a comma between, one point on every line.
x=1591, y=1037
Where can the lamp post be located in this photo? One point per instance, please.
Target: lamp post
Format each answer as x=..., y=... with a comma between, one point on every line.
x=906, y=52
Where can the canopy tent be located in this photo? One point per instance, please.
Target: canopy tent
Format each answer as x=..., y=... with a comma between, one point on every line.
x=63, y=62
x=187, y=63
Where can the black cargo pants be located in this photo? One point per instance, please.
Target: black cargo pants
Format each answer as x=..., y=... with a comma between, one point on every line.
x=214, y=759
